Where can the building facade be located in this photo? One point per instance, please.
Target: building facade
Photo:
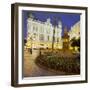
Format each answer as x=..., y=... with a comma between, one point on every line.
x=75, y=31
x=40, y=34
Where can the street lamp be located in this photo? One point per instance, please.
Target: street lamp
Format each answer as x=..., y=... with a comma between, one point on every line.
x=32, y=38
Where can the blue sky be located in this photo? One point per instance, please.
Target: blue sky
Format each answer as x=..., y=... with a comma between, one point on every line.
x=68, y=19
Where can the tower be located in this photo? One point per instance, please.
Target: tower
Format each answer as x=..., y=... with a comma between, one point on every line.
x=65, y=39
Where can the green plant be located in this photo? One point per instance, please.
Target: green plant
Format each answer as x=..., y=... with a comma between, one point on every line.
x=59, y=63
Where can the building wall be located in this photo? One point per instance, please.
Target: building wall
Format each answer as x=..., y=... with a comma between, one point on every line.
x=40, y=34
x=75, y=31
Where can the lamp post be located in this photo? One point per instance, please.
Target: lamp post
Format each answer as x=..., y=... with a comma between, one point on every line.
x=31, y=45
x=32, y=38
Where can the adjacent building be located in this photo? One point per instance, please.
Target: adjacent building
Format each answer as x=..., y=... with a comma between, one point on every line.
x=75, y=31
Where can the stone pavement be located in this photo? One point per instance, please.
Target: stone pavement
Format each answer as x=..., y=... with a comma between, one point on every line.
x=30, y=67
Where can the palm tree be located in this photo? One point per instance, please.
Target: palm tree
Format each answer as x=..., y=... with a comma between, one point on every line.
x=54, y=33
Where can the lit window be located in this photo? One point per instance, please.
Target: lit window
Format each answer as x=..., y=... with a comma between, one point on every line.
x=66, y=40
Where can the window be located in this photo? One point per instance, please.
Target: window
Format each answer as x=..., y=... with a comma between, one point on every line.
x=48, y=38
x=34, y=35
x=35, y=28
x=48, y=31
x=57, y=39
x=41, y=30
x=41, y=37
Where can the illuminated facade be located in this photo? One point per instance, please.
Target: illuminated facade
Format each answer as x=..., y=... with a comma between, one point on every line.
x=75, y=31
x=40, y=34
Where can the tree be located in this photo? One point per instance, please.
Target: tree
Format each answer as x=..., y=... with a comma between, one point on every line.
x=25, y=41
x=75, y=42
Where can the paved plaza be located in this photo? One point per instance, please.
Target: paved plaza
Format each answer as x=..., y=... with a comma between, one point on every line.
x=31, y=69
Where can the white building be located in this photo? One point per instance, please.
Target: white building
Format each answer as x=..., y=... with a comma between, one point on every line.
x=40, y=34
x=75, y=31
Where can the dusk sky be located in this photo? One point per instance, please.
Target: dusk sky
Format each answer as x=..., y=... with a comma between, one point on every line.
x=67, y=19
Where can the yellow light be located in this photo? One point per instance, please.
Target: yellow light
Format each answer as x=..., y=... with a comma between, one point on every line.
x=71, y=48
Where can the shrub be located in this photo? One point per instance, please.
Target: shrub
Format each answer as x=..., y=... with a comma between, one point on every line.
x=52, y=61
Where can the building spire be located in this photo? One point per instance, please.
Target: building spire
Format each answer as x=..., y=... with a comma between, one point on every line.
x=65, y=30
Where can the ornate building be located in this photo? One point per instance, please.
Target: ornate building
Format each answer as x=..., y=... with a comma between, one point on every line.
x=40, y=34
